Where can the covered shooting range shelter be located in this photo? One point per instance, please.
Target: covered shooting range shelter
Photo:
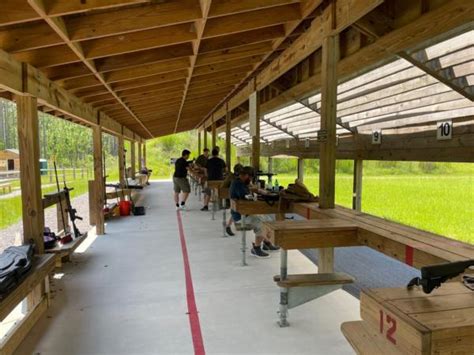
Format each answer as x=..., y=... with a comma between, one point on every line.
x=332, y=79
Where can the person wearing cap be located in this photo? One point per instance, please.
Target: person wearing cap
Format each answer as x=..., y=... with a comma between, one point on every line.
x=239, y=189
x=180, y=180
x=216, y=168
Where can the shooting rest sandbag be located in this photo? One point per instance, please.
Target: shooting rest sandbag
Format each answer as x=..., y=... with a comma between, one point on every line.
x=298, y=192
x=15, y=262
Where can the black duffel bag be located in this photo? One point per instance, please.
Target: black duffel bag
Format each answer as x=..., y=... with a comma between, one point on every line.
x=15, y=262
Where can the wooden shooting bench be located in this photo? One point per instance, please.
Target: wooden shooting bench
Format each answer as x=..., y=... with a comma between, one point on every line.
x=196, y=176
x=6, y=186
x=407, y=244
x=141, y=179
x=249, y=208
x=62, y=251
x=324, y=235
x=398, y=321
x=35, y=288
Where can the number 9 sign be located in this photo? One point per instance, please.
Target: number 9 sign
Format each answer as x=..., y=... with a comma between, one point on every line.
x=377, y=136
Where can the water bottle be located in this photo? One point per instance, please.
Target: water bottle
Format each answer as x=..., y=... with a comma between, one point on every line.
x=277, y=186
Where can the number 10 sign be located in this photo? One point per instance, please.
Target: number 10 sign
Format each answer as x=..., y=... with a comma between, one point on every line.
x=444, y=130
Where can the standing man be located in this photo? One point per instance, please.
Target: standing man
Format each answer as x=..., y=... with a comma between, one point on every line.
x=180, y=180
x=201, y=161
x=215, y=171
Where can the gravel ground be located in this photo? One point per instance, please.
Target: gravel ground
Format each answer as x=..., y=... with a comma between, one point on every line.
x=12, y=235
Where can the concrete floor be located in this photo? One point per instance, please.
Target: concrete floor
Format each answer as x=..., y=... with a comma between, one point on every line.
x=126, y=294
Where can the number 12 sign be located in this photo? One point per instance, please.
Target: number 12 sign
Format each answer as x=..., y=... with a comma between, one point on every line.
x=444, y=130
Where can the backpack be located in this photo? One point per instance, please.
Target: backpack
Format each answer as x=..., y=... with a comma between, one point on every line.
x=298, y=192
x=15, y=262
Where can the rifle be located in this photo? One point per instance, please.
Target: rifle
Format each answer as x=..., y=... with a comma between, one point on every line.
x=433, y=276
x=67, y=236
x=72, y=212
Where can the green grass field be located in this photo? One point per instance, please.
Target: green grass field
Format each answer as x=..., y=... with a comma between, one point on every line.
x=437, y=203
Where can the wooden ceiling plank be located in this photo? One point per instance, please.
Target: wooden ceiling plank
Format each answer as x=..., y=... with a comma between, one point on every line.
x=147, y=70
x=144, y=57
x=48, y=57
x=68, y=71
x=224, y=66
x=28, y=37
x=138, y=41
x=14, y=12
x=243, y=22
x=130, y=20
x=257, y=49
x=172, y=77
x=241, y=39
x=225, y=7
x=67, y=7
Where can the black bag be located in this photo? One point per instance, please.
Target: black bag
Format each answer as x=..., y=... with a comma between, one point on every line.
x=270, y=199
x=15, y=262
x=49, y=238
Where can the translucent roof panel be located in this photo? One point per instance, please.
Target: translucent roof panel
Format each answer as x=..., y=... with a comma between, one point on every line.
x=431, y=84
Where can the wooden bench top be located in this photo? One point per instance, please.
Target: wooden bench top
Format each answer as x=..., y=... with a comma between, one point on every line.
x=42, y=266
x=214, y=184
x=67, y=248
x=304, y=280
x=247, y=207
x=324, y=233
x=413, y=246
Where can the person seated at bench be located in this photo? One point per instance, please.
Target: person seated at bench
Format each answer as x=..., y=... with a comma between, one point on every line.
x=147, y=172
x=226, y=184
x=239, y=189
x=215, y=171
x=201, y=161
x=180, y=180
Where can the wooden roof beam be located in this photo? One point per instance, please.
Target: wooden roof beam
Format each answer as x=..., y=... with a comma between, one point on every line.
x=57, y=24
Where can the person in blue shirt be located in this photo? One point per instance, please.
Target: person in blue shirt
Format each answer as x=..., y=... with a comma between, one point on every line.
x=239, y=189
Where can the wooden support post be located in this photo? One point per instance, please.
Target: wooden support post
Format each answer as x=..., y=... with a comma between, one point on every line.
x=214, y=135
x=254, y=120
x=30, y=178
x=326, y=260
x=133, y=163
x=228, y=145
x=121, y=160
x=357, y=185
x=301, y=169
x=205, y=138
x=139, y=157
x=199, y=143
x=144, y=154
x=98, y=179
x=327, y=172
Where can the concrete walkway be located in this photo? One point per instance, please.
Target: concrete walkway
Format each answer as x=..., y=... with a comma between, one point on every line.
x=127, y=294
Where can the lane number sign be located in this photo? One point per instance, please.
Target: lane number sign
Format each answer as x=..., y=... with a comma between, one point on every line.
x=377, y=136
x=388, y=326
x=444, y=130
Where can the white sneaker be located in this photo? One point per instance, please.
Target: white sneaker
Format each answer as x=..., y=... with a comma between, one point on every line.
x=183, y=207
x=178, y=208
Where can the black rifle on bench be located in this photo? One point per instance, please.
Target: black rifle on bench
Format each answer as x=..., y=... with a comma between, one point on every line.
x=433, y=276
x=72, y=212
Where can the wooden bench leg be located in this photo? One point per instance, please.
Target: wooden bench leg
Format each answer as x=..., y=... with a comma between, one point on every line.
x=283, y=322
x=326, y=260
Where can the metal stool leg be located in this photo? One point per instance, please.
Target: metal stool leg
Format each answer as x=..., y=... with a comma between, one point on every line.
x=224, y=222
x=244, y=242
x=283, y=322
x=199, y=192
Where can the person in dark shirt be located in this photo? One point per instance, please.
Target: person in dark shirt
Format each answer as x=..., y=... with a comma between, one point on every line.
x=215, y=171
x=180, y=180
x=201, y=161
x=239, y=190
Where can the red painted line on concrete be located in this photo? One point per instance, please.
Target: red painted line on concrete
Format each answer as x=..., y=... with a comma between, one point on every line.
x=194, y=323
x=409, y=255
